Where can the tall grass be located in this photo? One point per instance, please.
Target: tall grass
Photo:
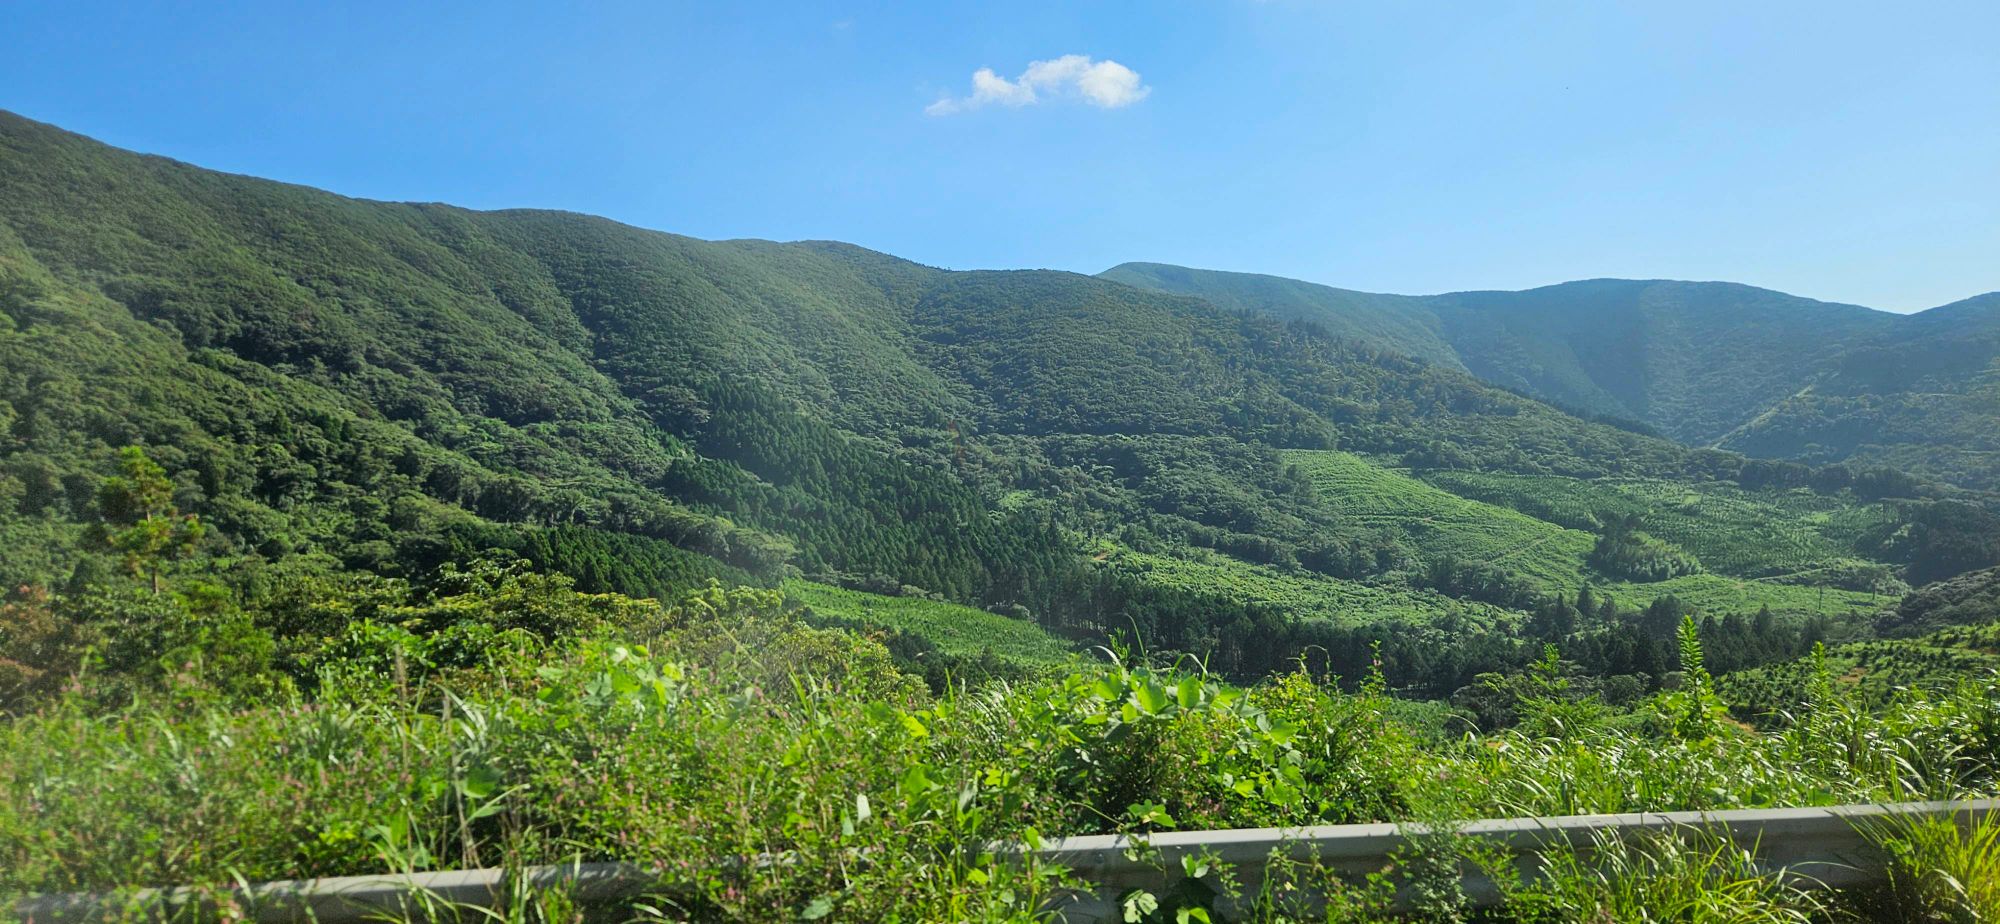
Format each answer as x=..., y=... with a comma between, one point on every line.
x=1675, y=876
x=767, y=770
x=1939, y=871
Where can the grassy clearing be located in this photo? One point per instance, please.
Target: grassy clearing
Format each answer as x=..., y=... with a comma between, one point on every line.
x=1732, y=531
x=1718, y=595
x=1305, y=594
x=1802, y=532
x=1444, y=524
x=959, y=630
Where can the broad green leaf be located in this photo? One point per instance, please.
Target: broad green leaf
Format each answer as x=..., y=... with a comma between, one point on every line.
x=1137, y=904
x=1188, y=693
x=1151, y=813
x=916, y=782
x=480, y=783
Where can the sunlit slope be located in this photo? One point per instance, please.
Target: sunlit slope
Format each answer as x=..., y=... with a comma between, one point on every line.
x=1305, y=594
x=1708, y=363
x=1442, y=523
x=339, y=384
x=956, y=629
x=1791, y=535
x=1925, y=400
x=1694, y=359
x=1395, y=322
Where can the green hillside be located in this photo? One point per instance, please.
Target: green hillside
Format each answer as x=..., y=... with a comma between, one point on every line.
x=1774, y=557
x=1939, y=639
x=1690, y=358
x=1925, y=400
x=1787, y=536
x=1756, y=371
x=956, y=630
x=346, y=391
x=1305, y=594
x=373, y=537
x=1393, y=322
x=1442, y=525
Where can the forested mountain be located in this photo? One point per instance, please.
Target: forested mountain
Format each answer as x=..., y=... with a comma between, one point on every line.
x=1399, y=323
x=1925, y=398
x=343, y=391
x=1709, y=364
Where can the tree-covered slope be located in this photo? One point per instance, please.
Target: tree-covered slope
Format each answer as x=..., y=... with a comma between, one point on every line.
x=584, y=359
x=1393, y=322
x=1691, y=358
x=1749, y=369
x=337, y=385
x=1925, y=398
x=359, y=366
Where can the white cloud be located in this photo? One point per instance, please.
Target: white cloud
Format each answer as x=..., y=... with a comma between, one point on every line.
x=1106, y=84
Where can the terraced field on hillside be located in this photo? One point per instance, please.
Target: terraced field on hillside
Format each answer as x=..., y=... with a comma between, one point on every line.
x=1789, y=535
x=1304, y=594
x=1535, y=527
x=1444, y=524
x=961, y=630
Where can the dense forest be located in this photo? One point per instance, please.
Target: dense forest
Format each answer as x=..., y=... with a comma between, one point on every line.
x=271, y=458
x=1708, y=363
x=340, y=388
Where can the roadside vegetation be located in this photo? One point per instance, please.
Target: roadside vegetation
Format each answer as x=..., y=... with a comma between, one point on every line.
x=508, y=719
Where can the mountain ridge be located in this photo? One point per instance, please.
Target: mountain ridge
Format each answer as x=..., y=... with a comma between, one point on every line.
x=344, y=387
x=1141, y=265
x=1717, y=364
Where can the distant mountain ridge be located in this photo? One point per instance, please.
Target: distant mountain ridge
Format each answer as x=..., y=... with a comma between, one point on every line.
x=1707, y=363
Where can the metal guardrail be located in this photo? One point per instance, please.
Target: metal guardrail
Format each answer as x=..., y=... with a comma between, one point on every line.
x=1829, y=846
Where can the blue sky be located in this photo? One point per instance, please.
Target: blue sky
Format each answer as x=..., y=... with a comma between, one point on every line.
x=1842, y=151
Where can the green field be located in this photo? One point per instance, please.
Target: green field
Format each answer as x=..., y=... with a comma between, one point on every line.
x=1444, y=524
x=1788, y=534
x=1794, y=533
x=1303, y=594
x=956, y=629
x=1720, y=594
